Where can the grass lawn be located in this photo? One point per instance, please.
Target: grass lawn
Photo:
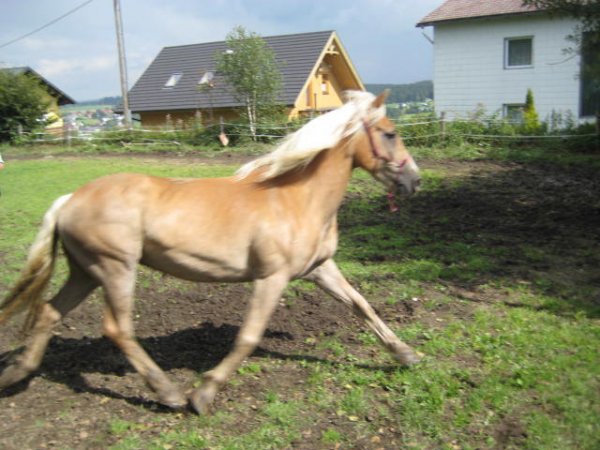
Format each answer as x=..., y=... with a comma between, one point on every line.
x=491, y=272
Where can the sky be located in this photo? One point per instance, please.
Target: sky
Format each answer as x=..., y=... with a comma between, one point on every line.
x=78, y=54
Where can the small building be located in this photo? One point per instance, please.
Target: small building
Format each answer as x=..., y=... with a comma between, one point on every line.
x=59, y=96
x=182, y=81
x=487, y=54
x=55, y=125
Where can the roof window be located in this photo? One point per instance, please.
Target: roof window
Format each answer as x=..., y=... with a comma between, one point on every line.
x=173, y=80
x=206, y=79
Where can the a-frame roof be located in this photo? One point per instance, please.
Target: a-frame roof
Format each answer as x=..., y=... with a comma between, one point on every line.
x=60, y=96
x=296, y=54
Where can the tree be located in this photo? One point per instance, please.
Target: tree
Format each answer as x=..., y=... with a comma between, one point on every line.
x=531, y=122
x=252, y=73
x=585, y=41
x=588, y=11
x=23, y=102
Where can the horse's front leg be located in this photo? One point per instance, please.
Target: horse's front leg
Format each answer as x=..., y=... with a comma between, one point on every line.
x=329, y=277
x=266, y=296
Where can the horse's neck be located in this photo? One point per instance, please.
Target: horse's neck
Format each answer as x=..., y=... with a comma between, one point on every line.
x=319, y=188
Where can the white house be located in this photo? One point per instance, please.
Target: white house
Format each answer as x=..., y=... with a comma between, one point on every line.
x=487, y=54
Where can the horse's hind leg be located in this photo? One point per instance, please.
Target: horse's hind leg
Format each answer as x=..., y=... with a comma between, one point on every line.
x=78, y=286
x=119, y=285
x=329, y=277
x=265, y=298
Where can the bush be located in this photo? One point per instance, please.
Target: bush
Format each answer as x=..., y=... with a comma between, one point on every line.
x=419, y=130
x=23, y=102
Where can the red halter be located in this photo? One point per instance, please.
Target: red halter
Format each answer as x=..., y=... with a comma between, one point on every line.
x=378, y=155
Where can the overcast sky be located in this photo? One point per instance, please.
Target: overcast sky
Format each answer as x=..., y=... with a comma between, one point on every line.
x=78, y=54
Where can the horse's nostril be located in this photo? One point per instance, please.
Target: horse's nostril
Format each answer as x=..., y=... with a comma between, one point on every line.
x=416, y=184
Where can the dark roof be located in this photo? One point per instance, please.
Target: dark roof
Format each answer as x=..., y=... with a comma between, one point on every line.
x=296, y=54
x=60, y=96
x=470, y=9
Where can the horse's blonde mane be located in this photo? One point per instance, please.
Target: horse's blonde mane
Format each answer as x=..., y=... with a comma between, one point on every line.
x=326, y=131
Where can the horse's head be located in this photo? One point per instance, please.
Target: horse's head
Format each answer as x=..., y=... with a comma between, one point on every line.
x=381, y=152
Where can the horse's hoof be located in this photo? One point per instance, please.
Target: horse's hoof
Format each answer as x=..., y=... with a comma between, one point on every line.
x=200, y=402
x=176, y=401
x=408, y=358
x=12, y=375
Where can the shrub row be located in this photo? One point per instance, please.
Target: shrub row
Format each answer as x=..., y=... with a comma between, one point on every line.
x=428, y=130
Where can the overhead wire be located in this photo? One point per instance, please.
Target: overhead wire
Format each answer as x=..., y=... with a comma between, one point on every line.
x=52, y=22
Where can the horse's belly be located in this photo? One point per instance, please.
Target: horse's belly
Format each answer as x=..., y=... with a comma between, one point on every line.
x=196, y=267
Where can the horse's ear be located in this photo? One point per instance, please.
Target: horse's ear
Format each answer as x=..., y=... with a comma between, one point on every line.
x=381, y=98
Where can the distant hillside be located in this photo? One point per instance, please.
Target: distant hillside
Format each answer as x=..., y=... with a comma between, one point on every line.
x=404, y=93
x=102, y=101
x=399, y=93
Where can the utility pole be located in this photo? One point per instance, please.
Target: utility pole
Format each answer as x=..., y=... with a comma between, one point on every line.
x=122, y=64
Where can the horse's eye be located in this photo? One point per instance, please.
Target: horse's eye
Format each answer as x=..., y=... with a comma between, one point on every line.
x=391, y=135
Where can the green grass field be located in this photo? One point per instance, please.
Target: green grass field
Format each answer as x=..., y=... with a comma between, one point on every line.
x=494, y=261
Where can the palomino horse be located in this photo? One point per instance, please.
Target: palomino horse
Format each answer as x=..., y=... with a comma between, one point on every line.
x=273, y=222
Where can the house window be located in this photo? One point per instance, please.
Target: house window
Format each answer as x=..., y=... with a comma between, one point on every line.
x=324, y=84
x=513, y=112
x=590, y=84
x=173, y=80
x=518, y=52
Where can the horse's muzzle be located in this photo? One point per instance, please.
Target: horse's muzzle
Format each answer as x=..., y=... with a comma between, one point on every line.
x=416, y=185
x=408, y=187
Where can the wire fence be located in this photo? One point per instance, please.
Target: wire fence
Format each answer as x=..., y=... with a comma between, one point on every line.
x=438, y=131
x=414, y=130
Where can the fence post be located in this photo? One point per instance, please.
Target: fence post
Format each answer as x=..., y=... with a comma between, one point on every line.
x=222, y=136
x=67, y=134
x=443, y=126
x=598, y=131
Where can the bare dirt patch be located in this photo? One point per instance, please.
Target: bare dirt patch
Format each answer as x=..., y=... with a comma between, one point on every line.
x=85, y=382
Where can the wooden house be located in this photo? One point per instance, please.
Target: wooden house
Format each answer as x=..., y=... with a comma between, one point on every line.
x=182, y=81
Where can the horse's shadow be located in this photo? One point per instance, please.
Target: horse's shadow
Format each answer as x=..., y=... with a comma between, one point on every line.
x=198, y=349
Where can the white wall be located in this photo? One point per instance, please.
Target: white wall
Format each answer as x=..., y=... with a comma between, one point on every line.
x=469, y=66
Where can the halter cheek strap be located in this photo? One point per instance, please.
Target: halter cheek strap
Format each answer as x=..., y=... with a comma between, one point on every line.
x=376, y=153
x=375, y=150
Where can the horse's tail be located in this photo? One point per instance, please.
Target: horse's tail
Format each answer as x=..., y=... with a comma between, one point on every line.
x=27, y=292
